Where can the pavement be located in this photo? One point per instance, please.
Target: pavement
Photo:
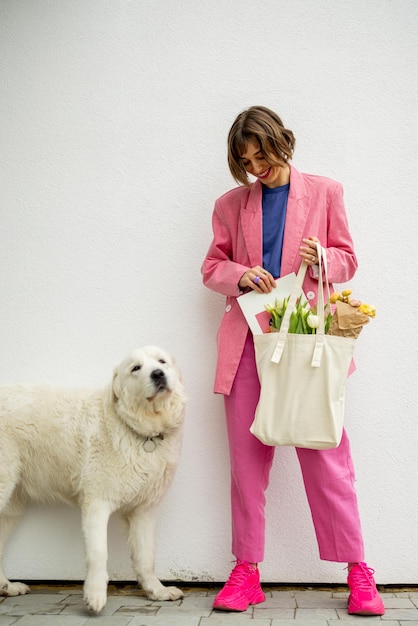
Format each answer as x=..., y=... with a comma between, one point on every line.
x=63, y=605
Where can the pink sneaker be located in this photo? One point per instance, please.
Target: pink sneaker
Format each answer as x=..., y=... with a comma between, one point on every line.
x=241, y=589
x=364, y=598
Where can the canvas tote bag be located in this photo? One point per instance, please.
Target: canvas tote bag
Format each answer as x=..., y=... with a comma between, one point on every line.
x=302, y=379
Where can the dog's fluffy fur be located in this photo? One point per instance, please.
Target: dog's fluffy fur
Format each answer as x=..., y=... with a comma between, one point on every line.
x=93, y=448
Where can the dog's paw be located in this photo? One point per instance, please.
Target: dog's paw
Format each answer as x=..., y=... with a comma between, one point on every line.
x=95, y=601
x=166, y=593
x=174, y=593
x=14, y=589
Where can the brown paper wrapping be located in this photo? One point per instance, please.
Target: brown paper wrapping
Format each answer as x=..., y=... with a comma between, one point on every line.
x=347, y=321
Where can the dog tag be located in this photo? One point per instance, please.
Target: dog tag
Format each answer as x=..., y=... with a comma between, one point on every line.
x=149, y=445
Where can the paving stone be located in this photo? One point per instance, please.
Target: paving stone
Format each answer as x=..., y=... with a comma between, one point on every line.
x=108, y=620
x=12, y=606
x=398, y=603
x=308, y=621
x=359, y=620
x=365, y=621
x=51, y=620
x=32, y=600
x=274, y=613
x=66, y=599
x=133, y=602
x=79, y=607
x=7, y=620
x=112, y=600
x=193, y=602
x=232, y=619
x=75, y=605
x=279, y=600
x=315, y=599
x=178, y=620
x=4, y=609
x=304, y=615
x=169, y=611
x=400, y=614
x=131, y=610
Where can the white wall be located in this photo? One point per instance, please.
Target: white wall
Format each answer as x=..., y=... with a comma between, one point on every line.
x=114, y=116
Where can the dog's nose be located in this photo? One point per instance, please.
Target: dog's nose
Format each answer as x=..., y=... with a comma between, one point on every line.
x=158, y=376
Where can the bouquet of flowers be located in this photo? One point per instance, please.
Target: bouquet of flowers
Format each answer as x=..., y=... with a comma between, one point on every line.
x=345, y=318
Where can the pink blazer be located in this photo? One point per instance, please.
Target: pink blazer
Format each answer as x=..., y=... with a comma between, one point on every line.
x=315, y=208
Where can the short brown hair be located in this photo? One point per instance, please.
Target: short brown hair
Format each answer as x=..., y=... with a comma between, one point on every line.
x=263, y=127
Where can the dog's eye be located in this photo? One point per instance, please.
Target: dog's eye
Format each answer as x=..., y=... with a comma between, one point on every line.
x=135, y=368
x=162, y=361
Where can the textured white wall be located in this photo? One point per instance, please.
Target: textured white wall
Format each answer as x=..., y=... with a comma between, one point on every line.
x=113, y=126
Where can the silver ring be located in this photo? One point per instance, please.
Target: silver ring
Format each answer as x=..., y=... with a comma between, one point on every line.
x=313, y=258
x=257, y=280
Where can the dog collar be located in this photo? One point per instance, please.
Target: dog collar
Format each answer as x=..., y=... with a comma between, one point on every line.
x=150, y=444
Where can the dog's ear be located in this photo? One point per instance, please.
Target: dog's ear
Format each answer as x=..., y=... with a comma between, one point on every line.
x=115, y=394
x=180, y=390
x=177, y=370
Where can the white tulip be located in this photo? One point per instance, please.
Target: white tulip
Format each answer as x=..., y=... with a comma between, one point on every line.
x=312, y=320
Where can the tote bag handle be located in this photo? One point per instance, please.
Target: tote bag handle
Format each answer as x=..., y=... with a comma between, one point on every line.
x=291, y=306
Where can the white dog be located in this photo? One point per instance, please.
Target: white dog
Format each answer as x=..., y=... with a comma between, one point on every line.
x=104, y=450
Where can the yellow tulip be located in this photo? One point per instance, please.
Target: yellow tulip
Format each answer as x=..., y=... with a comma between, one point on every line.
x=367, y=309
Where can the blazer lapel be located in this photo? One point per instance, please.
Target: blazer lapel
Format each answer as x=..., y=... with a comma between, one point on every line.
x=251, y=217
x=297, y=212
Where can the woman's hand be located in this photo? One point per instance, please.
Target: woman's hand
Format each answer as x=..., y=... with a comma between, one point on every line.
x=258, y=279
x=308, y=250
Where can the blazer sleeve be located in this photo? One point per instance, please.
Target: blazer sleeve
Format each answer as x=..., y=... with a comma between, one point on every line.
x=220, y=273
x=341, y=258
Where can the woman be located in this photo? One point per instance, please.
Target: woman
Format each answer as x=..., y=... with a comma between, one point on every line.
x=262, y=231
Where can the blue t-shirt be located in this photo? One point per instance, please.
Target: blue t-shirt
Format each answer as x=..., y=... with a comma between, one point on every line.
x=274, y=217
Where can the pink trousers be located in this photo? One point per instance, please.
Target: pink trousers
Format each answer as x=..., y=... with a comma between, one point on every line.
x=328, y=477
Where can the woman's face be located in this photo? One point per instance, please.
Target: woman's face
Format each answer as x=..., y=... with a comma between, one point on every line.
x=255, y=164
